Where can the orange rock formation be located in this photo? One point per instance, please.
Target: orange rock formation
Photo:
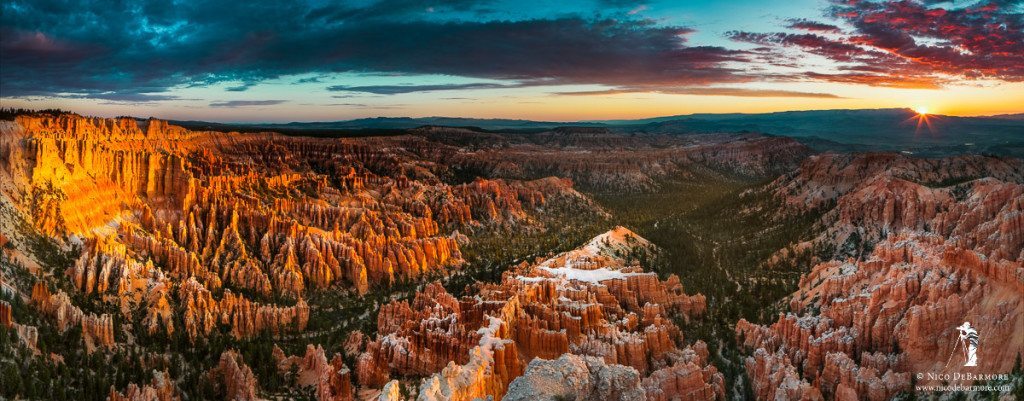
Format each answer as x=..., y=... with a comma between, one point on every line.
x=170, y=217
x=935, y=246
x=586, y=302
x=160, y=389
x=332, y=380
x=863, y=327
x=233, y=378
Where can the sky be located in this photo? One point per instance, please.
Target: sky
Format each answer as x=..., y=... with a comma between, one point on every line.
x=278, y=61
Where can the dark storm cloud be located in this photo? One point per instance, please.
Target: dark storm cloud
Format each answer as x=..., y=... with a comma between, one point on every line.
x=911, y=43
x=83, y=47
x=246, y=103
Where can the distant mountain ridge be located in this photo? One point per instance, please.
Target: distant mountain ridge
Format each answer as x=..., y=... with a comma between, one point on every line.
x=1018, y=116
x=898, y=130
x=414, y=122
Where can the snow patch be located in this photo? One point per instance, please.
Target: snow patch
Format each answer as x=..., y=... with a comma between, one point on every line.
x=591, y=276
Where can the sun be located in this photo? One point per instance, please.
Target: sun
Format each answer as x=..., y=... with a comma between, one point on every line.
x=923, y=119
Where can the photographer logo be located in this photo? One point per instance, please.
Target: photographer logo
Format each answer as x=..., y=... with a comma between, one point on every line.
x=967, y=343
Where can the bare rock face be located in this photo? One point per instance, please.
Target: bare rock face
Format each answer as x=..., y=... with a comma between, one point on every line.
x=691, y=378
x=417, y=339
x=975, y=200
x=391, y=392
x=160, y=389
x=233, y=378
x=589, y=302
x=491, y=366
x=861, y=328
x=582, y=378
x=97, y=330
x=773, y=377
x=27, y=335
x=983, y=215
x=824, y=178
x=354, y=344
x=933, y=243
x=6, y=317
x=168, y=217
x=332, y=380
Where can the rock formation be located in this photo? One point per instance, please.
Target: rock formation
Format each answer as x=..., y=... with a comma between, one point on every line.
x=974, y=199
x=861, y=327
x=332, y=380
x=933, y=243
x=598, y=158
x=216, y=229
x=97, y=330
x=160, y=389
x=233, y=378
x=27, y=335
x=590, y=301
x=691, y=378
x=6, y=316
x=581, y=378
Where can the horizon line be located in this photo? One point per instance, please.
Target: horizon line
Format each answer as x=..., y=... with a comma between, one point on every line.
x=587, y=121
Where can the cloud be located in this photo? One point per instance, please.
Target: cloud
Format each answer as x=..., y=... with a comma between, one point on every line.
x=398, y=89
x=638, y=9
x=156, y=47
x=706, y=91
x=73, y=48
x=813, y=26
x=907, y=43
x=130, y=97
x=391, y=9
x=810, y=42
x=245, y=103
x=241, y=88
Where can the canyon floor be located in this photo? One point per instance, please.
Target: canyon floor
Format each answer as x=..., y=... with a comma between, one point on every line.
x=145, y=261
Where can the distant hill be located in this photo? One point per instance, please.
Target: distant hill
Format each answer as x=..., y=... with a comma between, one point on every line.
x=882, y=129
x=409, y=122
x=1018, y=116
x=839, y=130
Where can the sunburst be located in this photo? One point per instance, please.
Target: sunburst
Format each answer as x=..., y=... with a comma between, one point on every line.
x=923, y=119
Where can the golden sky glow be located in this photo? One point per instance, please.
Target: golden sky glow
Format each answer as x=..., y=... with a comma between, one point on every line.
x=965, y=100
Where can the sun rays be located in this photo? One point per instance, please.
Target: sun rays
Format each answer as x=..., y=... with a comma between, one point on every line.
x=923, y=119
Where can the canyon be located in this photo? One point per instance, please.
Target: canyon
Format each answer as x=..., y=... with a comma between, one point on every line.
x=928, y=245
x=447, y=263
